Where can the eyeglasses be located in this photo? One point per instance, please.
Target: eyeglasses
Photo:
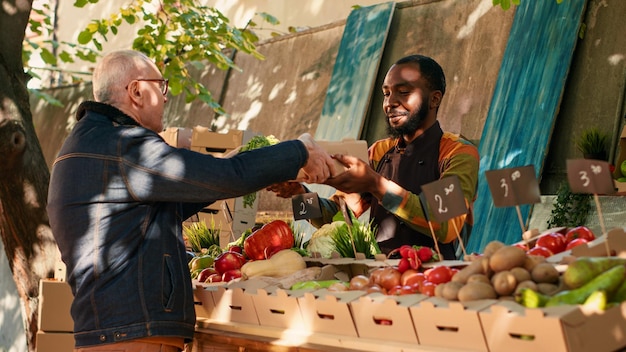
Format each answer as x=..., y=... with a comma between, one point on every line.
x=163, y=83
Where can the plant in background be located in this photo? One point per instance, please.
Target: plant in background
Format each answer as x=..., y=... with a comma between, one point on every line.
x=594, y=144
x=570, y=209
x=200, y=236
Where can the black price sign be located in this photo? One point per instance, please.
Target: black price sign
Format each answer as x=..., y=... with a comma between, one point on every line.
x=306, y=206
x=590, y=176
x=513, y=186
x=445, y=198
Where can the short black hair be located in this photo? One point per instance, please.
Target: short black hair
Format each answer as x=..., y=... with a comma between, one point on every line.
x=430, y=69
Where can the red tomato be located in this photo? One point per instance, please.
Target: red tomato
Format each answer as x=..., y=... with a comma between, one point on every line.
x=573, y=243
x=400, y=290
x=412, y=278
x=439, y=274
x=555, y=242
x=428, y=288
x=579, y=232
x=540, y=251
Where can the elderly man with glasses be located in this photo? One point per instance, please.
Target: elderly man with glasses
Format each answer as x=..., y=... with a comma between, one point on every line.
x=118, y=197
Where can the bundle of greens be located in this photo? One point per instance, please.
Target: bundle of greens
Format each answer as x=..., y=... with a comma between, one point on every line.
x=200, y=236
x=254, y=143
x=338, y=237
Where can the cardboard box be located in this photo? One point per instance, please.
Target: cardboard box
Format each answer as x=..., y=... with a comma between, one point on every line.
x=442, y=323
x=55, y=301
x=381, y=317
x=218, y=144
x=55, y=342
x=234, y=301
x=179, y=137
x=329, y=312
x=351, y=147
x=510, y=327
x=279, y=308
x=203, y=301
x=230, y=216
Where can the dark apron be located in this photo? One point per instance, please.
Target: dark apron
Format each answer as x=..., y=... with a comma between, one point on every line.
x=410, y=167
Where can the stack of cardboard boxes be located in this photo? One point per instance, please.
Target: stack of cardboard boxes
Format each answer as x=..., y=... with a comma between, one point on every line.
x=230, y=215
x=55, y=325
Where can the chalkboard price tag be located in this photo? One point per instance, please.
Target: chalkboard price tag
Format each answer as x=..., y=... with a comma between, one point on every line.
x=445, y=198
x=306, y=206
x=590, y=176
x=513, y=186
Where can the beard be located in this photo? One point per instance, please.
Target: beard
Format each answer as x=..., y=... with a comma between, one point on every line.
x=413, y=122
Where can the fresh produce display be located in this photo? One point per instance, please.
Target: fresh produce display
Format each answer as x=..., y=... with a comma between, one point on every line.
x=269, y=239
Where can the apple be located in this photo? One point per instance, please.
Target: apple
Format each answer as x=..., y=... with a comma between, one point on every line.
x=231, y=275
x=228, y=260
x=205, y=273
x=622, y=168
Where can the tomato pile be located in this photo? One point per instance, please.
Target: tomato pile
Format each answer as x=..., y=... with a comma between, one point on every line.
x=553, y=243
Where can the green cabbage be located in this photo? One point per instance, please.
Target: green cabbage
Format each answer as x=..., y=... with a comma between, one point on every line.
x=322, y=240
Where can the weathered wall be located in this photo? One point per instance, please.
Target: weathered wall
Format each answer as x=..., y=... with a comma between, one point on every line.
x=284, y=94
x=594, y=91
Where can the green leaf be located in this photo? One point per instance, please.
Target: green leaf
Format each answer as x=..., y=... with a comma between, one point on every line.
x=48, y=57
x=66, y=57
x=80, y=3
x=268, y=18
x=85, y=36
x=46, y=97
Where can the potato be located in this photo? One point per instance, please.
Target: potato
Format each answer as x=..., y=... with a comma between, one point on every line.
x=521, y=274
x=492, y=247
x=547, y=288
x=507, y=258
x=545, y=273
x=526, y=284
x=478, y=266
x=439, y=290
x=532, y=260
x=476, y=290
x=479, y=278
x=451, y=290
x=504, y=283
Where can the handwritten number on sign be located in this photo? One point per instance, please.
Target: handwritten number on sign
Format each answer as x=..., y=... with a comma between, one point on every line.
x=441, y=209
x=504, y=185
x=584, y=177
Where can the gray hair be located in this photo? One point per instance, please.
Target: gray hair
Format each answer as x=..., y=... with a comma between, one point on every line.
x=113, y=71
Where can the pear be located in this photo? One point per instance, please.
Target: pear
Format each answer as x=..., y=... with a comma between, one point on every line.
x=583, y=269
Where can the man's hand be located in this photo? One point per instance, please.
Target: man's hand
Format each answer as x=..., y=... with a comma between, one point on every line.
x=286, y=189
x=358, y=178
x=320, y=166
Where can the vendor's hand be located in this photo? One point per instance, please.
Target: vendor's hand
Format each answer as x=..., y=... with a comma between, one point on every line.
x=286, y=189
x=359, y=177
x=319, y=166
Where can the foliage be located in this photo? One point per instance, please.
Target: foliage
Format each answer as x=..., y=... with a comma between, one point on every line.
x=178, y=35
x=254, y=143
x=570, y=209
x=592, y=141
x=201, y=236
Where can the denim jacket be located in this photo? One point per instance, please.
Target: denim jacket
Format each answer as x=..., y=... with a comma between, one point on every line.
x=118, y=196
